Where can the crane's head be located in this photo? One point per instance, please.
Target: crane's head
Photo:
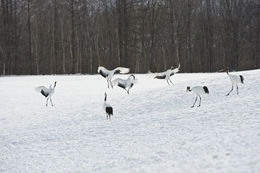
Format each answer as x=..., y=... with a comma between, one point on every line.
x=188, y=89
x=133, y=76
x=99, y=68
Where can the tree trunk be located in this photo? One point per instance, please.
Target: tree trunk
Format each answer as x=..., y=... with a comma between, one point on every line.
x=55, y=35
x=209, y=36
x=29, y=36
x=257, y=56
x=72, y=39
x=119, y=31
x=4, y=58
x=189, y=37
x=63, y=48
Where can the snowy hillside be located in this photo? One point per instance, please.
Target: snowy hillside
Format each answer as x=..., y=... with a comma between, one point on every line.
x=153, y=129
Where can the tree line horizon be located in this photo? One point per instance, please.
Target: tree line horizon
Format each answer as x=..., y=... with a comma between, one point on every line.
x=77, y=36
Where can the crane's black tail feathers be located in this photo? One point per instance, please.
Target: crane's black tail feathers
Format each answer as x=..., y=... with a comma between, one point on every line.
x=44, y=93
x=206, y=90
x=242, y=79
x=109, y=110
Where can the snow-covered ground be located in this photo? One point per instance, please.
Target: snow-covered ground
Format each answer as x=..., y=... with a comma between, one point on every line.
x=153, y=129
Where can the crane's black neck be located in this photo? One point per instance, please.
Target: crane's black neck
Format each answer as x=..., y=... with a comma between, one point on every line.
x=105, y=98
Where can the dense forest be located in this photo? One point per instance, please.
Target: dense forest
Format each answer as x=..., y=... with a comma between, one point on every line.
x=76, y=36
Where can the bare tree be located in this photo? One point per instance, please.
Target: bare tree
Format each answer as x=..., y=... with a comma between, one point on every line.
x=76, y=36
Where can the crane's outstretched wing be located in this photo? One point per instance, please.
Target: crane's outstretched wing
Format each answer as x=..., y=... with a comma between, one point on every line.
x=176, y=70
x=39, y=88
x=121, y=70
x=160, y=75
x=43, y=90
x=103, y=71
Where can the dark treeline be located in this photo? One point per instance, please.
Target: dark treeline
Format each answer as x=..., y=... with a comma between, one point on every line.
x=76, y=36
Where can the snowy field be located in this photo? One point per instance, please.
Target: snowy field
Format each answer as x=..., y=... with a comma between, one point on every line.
x=153, y=129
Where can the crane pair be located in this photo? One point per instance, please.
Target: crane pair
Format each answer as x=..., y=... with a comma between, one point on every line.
x=199, y=90
x=126, y=84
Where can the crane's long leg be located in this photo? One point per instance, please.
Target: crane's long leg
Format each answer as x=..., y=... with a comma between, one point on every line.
x=230, y=91
x=107, y=83
x=194, y=102
x=171, y=81
x=111, y=84
x=47, y=101
x=51, y=101
x=168, y=82
x=200, y=101
x=237, y=90
x=128, y=91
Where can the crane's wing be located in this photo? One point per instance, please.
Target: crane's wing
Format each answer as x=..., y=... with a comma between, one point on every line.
x=43, y=90
x=103, y=71
x=176, y=70
x=119, y=82
x=39, y=88
x=121, y=70
x=161, y=75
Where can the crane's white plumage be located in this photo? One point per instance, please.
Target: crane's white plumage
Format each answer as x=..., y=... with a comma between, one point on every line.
x=126, y=84
x=46, y=92
x=235, y=79
x=198, y=90
x=108, y=74
x=107, y=107
x=167, y=74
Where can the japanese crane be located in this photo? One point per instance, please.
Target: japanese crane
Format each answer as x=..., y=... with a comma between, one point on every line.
x=47, y=92
x=198, y=90
x=167, y=74
x=126, y=84
x=108, y=109
x=235, y=79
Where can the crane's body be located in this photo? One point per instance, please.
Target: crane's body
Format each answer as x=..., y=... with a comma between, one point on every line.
x=198, y=90
x=235, y=79
x=126, y=84
x=107, y=107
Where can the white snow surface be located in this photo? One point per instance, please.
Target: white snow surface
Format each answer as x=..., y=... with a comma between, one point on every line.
x=153, y=128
